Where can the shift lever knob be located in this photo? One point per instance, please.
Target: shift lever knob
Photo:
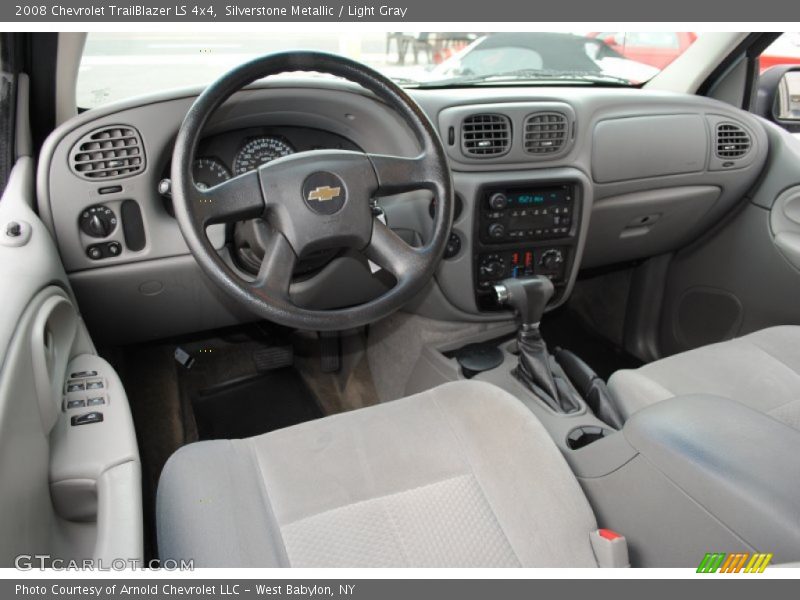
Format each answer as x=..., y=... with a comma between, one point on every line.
x=527, y=295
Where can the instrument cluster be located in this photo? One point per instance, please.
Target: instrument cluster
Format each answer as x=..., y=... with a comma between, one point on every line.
x=225, y=155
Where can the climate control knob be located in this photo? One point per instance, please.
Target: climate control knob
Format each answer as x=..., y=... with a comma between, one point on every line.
x=493, y=269
x=551, y=259
x=498, y=201
x=98, y=221
x=496, y=231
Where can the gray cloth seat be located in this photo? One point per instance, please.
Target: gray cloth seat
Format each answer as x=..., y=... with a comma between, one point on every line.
x=458, y=476
x=760, y=370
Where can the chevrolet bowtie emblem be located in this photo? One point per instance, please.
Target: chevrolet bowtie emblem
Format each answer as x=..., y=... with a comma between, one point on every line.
x=324, y=193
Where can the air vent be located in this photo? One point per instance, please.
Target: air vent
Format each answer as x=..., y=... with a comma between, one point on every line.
x=732, y=141
x=486, y=135
x=109, y=153
x=546, y=133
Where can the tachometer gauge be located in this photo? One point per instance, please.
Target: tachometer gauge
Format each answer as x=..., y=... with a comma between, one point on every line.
x=208, y=172
x=259, y=151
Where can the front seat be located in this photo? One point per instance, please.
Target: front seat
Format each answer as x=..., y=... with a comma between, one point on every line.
x=761, y=370
x=462, y=475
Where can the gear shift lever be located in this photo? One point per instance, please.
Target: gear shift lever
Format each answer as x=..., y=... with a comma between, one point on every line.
x=529, y=296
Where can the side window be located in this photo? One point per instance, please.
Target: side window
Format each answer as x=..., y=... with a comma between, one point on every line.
x=778, y=96
x=7, y=104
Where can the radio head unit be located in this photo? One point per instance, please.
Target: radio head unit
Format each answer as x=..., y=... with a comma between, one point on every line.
x=526, y=213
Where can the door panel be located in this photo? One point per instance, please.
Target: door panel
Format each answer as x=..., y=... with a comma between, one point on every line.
x=67, y=491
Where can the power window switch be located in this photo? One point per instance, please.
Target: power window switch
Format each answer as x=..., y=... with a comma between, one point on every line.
x=84, y=374
x=95, y=384
x=75, y=386
x=87, y=418
x=98, y=401
x=76, y=404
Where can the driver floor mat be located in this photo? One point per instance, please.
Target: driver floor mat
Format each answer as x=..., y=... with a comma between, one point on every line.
x=254, y=405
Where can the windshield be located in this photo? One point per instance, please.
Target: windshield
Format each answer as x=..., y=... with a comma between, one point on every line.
x=121, y=65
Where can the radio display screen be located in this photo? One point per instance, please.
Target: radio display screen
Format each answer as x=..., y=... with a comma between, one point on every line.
x=539, y=197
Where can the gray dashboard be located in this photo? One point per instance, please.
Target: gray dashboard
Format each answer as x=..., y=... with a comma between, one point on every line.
x=645, y=173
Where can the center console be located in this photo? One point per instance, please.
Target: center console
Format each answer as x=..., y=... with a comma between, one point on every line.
x=524, y=229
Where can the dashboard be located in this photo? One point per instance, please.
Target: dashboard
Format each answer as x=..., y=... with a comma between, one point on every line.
x=548, y=181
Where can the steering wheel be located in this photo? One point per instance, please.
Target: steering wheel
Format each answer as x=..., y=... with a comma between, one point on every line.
x=314, y=200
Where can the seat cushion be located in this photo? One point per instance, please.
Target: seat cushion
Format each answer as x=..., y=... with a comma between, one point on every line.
x=760, y=370
x=461, y=475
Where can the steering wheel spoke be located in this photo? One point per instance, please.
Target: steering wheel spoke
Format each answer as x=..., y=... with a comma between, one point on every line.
x=275, y=274
x=398, y=174
x=387, y=250
x=237, y=199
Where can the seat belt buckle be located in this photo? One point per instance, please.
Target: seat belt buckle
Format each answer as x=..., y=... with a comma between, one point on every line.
x=610, y=549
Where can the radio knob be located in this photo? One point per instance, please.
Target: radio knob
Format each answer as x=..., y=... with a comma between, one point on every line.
x=498, y=201
x=496, y=231
x=552, y=259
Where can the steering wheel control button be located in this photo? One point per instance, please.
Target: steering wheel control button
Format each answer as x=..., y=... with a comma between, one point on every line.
x=87, y=418
x=324, y=193
x=76, y=404
x=98, y=221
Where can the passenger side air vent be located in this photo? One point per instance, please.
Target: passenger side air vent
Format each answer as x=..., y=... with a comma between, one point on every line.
x=732, y=141
x=546, y=133
x=486, y=135
x=108, y=153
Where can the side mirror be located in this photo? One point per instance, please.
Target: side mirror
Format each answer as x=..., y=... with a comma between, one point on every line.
x=778, y=96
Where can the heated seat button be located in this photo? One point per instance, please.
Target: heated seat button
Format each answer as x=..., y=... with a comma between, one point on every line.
x=94, y=384
x=76, y=403
x=96, y=401
x=87, y=418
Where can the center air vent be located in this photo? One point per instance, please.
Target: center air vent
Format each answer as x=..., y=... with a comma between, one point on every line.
x=486, y=135
x=546, y=133
x=108, y=153
x=732, y=141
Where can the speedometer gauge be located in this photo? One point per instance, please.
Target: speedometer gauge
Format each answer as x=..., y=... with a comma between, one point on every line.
x=208, y=172
x=259, y=151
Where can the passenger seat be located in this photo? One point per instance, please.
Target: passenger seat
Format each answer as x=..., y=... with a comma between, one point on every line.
x=760, y=370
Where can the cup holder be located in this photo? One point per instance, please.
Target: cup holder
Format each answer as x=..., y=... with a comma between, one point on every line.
x=581, y=437
x=477, y=358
